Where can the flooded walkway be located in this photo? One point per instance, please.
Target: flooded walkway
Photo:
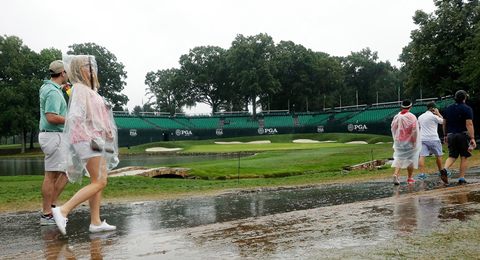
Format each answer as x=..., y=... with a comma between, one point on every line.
x=280, y=223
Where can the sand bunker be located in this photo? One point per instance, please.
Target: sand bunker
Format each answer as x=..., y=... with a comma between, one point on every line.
x=252, y=142
x=357, y=142
x=162, y=149
x=260, y=142
x=310, y=141
x=305, y=141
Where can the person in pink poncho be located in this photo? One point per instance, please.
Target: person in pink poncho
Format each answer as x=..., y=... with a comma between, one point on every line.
x=406, y=142
x=91, y=136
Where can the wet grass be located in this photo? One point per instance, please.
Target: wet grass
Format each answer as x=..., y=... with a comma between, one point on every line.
x=321, y=159
x=287, y=165
x=453, y=240
x=278, y=141
x=23, y=192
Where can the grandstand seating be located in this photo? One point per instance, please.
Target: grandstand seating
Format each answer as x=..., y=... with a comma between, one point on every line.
x=279, y=121
x=318, y=119
x=205, y=122
x=418, y=109
x=304, y=119
x=237, y=122
x=444, y=103
x=185, y=121
x=378, y=118
x=124, y=122
x=373, y=115
x=164, y=122
x=344, y=114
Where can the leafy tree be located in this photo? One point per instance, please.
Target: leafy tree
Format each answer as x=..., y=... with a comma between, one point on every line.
x=19, y=84
x=137, y=110
x=470, y=70
x=435, y=57
x=45, y=58
x=294, y=64
x=111, y=73
x=206, y=69
x=169, y=90
x=250, y=61
x=367, y=77
x=147, y=107
x=305, y=77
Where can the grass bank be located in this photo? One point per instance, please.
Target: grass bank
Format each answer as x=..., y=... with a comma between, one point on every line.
x=281, y=160
x=452, y=240
x=207, y=146
x=291, y=164
x=23, y=192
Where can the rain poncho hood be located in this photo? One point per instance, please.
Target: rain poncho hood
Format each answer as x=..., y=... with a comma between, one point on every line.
x=88, y=117
x=406, y=140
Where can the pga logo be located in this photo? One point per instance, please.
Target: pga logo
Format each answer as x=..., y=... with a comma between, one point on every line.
x=268, y=131
x=219, y=132
x=359, y=128
x=320, y=129
x=133, y=132
x=181, y=132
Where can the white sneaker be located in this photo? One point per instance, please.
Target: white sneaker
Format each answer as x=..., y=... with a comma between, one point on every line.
x=60, y=220
x=102, y=227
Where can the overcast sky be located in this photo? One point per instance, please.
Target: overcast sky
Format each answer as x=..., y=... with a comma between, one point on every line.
x=152, y=35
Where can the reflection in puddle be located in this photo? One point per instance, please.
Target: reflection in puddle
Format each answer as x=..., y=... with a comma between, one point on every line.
x=272, y=223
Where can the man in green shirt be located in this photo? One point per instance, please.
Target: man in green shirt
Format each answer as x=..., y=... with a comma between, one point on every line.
x=53, y=109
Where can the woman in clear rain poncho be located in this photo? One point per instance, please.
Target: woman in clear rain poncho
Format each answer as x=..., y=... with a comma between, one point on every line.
x=406, y=142
x=92, y=137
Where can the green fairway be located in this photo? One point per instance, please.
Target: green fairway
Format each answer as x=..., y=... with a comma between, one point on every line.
x=279, y=158
x=286, y=160
x=280, y=142
x=261, y=165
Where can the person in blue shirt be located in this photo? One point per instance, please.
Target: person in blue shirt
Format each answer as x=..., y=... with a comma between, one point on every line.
x=458, y=125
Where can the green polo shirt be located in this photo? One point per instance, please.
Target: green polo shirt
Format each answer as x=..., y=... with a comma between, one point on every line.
x=51, y=101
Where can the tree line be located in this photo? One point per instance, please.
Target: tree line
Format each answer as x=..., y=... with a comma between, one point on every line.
x=441, y=58
x=22, y=71
x=254, y=71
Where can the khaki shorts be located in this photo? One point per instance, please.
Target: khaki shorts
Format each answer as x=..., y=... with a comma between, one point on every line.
x=55, y=150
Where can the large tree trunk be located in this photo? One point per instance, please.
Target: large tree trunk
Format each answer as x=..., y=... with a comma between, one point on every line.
x=33, y=133
x=214, y=108
x=24, y=140
x=254, y=107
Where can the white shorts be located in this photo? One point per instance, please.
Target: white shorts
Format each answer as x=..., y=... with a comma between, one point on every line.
x=55, y=150
x=84, y=151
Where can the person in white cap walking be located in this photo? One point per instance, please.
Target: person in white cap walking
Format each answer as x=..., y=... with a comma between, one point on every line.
x=53, y=109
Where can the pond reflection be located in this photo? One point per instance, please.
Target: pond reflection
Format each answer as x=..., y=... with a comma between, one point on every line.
x=283, y=223
x=35, y=165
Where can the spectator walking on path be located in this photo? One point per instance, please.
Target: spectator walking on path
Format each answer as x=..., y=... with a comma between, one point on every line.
x=406, y=142
x=92, y=139
x=431, y=143
x=53, y=109
x=458, y=125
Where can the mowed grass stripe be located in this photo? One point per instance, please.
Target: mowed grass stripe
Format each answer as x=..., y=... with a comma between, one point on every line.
x=289, y=161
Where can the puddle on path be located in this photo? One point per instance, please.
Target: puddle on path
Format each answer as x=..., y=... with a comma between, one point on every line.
x=271, y=223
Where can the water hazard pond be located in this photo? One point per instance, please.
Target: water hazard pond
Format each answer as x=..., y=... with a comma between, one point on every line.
x=283, y=223
x=35, y=165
